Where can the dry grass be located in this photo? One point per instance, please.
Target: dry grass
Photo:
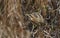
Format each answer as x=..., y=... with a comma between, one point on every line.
x=29, y=19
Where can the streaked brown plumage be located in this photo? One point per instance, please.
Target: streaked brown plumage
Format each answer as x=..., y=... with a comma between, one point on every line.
x=36, y=17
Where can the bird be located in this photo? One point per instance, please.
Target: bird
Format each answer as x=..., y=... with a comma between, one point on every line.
x=36, y=17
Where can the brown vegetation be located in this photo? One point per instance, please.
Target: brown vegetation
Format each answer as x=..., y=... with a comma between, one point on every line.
x=29, y=18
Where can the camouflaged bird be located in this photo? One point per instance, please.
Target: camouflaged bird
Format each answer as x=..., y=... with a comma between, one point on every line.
x=36, y=17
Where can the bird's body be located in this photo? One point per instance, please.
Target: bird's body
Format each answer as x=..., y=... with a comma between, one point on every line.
x=36, y=17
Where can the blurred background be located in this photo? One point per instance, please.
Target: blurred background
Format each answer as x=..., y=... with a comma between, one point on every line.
x=29, y=18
